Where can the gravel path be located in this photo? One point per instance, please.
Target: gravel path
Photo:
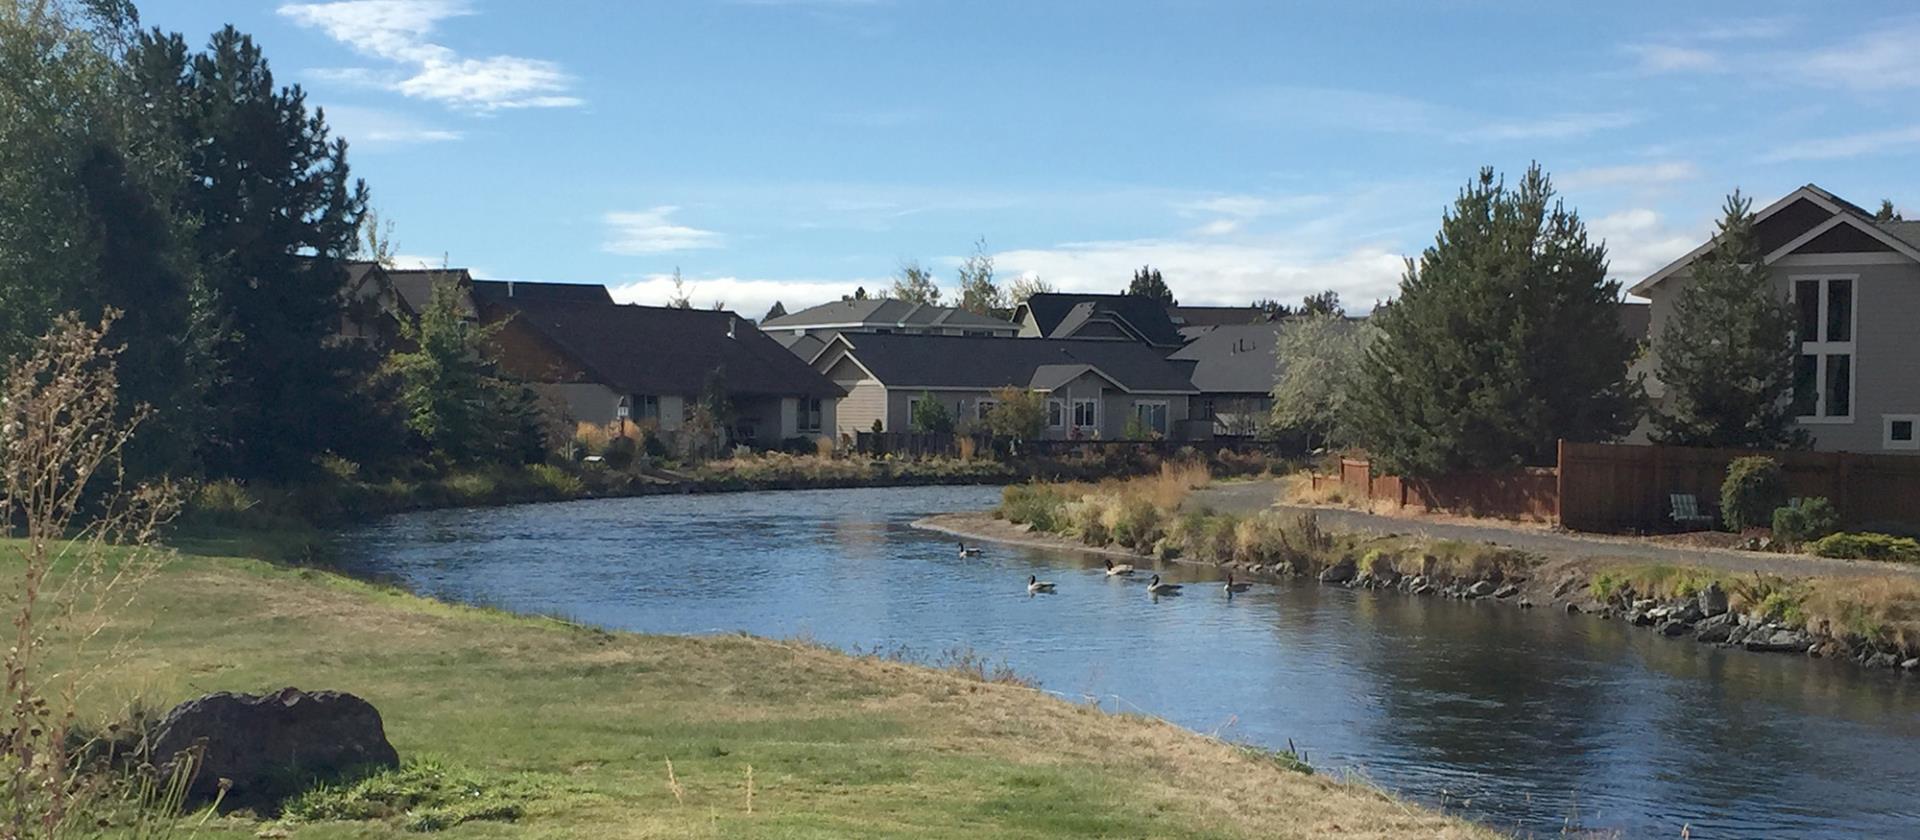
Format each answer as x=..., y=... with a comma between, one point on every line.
x=1255, y=496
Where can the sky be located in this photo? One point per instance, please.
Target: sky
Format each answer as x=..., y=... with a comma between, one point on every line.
x=794, y=150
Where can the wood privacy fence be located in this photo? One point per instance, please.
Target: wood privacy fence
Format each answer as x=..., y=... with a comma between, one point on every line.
x=1621, y=488
x=926, y=445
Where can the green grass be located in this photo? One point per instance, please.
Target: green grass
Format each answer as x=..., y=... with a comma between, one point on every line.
x=530, y=727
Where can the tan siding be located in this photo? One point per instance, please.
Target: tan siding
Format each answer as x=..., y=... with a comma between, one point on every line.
x=865, y=402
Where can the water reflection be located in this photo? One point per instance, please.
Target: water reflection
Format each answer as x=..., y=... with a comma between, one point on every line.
x=1522, y=719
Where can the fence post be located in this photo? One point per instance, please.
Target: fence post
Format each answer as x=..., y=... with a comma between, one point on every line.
x=1559, y=481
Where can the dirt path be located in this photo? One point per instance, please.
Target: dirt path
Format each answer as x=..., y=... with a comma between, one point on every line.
x=1255, y=496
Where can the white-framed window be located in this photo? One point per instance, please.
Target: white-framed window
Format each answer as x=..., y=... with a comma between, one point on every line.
x=812, y=414
x=1086, y=414
x=1900, y=431
x=1152, y=415
x=984, y=407
x=1823, y=376
x=1056, y=414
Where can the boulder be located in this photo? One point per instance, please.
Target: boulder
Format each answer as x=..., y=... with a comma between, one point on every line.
x=267, y=746
x=1506, y=591
x=1674, y=627
x=1712, y=600
x=1779, y=641
x=1687, y=611
x=1525, y=604
x=1712, y=632
x=1340, y=572
x=1882, y=660
x=1481, y=589
x=1640, y=618
x=1911, y=664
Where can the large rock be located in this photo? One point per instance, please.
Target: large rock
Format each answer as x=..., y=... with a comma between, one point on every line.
x=269, y=746
x=1481, y=589
x=1779, y=641
x=1340, y=572
x=1712, y=600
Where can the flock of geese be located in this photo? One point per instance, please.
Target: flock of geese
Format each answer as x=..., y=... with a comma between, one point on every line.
x=1155, y=587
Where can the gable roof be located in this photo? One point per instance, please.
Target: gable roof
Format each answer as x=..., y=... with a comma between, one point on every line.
x=1188, y=318
x=517, y=293
x=1803, y=215
x=976, y=362
x=662, y=350
x=415, y=285
x=1236, y=359
x=1059, y=315
x=885, y=312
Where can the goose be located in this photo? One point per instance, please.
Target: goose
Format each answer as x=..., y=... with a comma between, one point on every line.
x=1232, y=587
x=1122, y=569
x=1036, y=585
x=968, y=552
x=1155, y=587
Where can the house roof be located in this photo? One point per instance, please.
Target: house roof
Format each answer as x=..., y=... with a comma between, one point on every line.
x=415, y=285
x=977, y=362
x=661, y=350
x=1803, y=215
x=1187, y=318
x=1636, y=319
x=516, y=293
x=886, y=312
x=1059, y=315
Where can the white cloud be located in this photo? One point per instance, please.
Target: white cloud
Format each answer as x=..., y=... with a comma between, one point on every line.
x=1628, y=175
x=1356, y=110
x=1553, y=127
x=1883, y=60
x=1219, y=227
x=1670, y=58
x=1639, y=242
x=750, y=297
x=1210, y=272
x=399, y=32
x=651, y=232
x=376, y=128
x=1848, y=145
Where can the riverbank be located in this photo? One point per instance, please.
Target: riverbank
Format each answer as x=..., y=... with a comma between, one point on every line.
x=576, y=726
x=1869, y=617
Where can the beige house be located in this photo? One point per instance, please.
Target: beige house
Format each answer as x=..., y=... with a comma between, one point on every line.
x=1855, y=282
x=1094, y=389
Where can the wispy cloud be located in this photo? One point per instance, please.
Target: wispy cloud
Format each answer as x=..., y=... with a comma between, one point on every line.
x=1212, y=272
x=1901, y=140
x=1670, y=58
x=377, y=128
x=652, y=232
x=1640, y=241
x=1382, y=113
x=399, y=32
x=1633, y=174
x=1886, y=59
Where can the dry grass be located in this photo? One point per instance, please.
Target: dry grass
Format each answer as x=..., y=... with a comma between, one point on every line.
x=1297, y=488
x=839, y=745
x=1884, y=611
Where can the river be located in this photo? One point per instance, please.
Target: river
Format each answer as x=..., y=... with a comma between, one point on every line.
x=1529, y=721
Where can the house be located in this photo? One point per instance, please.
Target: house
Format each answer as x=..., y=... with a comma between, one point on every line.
x=652, y=365
x=1093, y=388
x=1234, y=368
x=1108, y=317
x=807, y=331
x=369, y=302
x=1855, y=283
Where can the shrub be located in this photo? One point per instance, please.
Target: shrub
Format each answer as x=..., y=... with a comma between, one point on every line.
x=1138, y=523
x=652, y=445
x=1754, y=487
x=554, y=482
x=1805, y=520
x=619, y=452
x=1032, y=504
x=1866, y=546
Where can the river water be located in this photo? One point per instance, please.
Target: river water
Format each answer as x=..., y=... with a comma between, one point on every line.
x=1530, y=721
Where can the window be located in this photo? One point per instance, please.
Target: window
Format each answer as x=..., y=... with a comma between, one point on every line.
x=1056, y=414
x=1901, y=431
x=1086, y=414
x=1152, y=415
x=811, y=414
x=1823, y=375
x=984, y=407
x=647, y=407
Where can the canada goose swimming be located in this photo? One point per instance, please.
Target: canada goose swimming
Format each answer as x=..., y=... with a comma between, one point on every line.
x=1155, y=587
x=1036, y=585
x=1232, y=587
x=968, y=552
x=1122, y=569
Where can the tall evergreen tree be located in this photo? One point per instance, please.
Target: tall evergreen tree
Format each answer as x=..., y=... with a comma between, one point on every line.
x=1505, y=339
x=1727, y=352
x=1322, y=303
x=776, y=310
x=1887, y=213
x=276, y=212
x=1148, y=283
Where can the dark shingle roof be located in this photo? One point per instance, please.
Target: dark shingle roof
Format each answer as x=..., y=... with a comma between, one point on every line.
x=1234, y=359
x=941, y=361
x=1187, y=317
x=886, y=312
x=518, y=293
x=1058, y=314
x=1908, y=232
x=415, y=285
x=660, y=350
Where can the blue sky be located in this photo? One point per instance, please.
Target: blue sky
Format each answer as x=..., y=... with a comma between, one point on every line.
x=793, y=149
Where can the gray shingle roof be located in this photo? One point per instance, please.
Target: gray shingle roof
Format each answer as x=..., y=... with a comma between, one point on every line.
x=660, y=350
x=1058, y=315
x=1908, y=232
x=886, y=312
x=1234, y=359
x=415, y=285
x=939, y=361
x=517, y=293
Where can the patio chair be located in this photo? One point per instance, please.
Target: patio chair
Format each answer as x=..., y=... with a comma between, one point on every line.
x=1687, y=513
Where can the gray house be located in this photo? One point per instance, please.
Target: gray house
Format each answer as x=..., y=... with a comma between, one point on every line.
x=1234, y=370
x=1098, y=317
x=1093, y=388
x=1856, y=284
x=807, y=331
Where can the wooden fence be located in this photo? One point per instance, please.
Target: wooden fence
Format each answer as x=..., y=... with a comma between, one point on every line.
x=1620, y=488
x=918, y=445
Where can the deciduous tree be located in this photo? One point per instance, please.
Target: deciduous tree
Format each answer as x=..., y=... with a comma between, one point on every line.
x=979, y=293
x=915, y=284
x=1318, y=359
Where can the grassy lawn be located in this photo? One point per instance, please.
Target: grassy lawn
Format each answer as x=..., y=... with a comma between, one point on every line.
x=580, y=724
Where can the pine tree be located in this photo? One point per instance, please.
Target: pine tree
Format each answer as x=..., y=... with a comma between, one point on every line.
x=1727, y=351
x=915, y=284
x=773, y=312
x=1887, y=213
x=1505, y=339
x=1322, y=303
x=979, y=294
x=1148, y=283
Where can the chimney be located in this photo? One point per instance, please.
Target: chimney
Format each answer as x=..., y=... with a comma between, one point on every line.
x=509, y=288
x=731, y=321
